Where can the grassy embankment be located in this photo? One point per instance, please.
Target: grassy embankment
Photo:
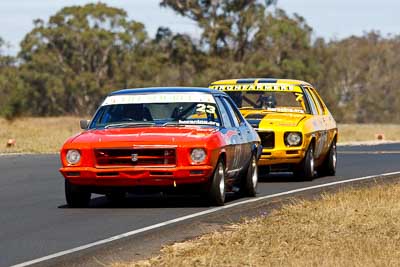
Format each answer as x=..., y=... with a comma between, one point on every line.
x=354, y=227
x=46, y=135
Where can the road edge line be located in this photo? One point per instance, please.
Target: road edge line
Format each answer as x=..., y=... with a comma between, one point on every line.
x=194, y=215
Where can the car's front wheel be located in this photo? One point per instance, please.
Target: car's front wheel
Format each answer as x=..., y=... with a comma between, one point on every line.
x=306, y=169
x=76, y=196
x=216, y=194
x=250, y=181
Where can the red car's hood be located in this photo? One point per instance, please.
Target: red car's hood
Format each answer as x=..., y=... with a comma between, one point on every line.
x=144, y=136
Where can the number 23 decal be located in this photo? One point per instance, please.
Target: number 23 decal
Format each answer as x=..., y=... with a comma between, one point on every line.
x=201, y=108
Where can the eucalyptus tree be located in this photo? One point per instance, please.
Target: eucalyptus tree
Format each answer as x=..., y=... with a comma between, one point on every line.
x=361, y=74
x=228, y=26
x=72, y=60
x=12, y=99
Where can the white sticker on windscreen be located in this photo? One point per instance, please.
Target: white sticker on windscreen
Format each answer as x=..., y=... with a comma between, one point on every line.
x=159, y=98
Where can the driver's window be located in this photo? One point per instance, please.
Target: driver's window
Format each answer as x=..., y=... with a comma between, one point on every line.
x=310, y=101
x=236, y=112
x=231, y=110
x=224, y=113
x=318, y=101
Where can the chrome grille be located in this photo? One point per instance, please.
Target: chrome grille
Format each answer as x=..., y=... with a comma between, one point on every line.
x=135, y=157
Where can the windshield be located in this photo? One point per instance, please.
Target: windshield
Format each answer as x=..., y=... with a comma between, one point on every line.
x=158, y=109
x=280, y=101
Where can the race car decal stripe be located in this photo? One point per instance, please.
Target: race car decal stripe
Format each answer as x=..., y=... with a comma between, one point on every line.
x=273, y=87
x=254, y=123
x=255, y=120
x=159, y=98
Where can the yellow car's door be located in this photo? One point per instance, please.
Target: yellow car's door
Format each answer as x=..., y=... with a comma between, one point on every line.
x=329, y=122
x=318, y=126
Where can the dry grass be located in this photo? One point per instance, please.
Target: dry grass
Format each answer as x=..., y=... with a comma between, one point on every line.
x=368, y=132
x=37, y=135
x=44, y=135
x=357, y=227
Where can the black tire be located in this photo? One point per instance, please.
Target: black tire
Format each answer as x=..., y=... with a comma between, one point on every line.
x=306, y=169
x=216, y=193
x=328, y=167
x=250, y=180
x=116, y=197
x=76, y=196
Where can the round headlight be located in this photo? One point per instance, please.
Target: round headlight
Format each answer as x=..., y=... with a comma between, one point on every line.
x=73, y=156
x=293, y=139
x=198, y=155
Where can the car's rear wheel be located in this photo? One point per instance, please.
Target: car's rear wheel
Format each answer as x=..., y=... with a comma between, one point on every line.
x=328, y=168
x=306, y=169
x=216, y=194
x=76, y=196
x=250, y=181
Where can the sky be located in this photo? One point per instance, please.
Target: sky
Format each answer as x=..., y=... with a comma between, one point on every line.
x=331, y=19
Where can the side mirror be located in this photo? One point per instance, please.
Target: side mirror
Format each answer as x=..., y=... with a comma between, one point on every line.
x=84, y=124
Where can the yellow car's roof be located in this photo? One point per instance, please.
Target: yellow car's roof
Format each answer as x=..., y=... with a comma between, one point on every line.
x=260, y=81
x=259, y=84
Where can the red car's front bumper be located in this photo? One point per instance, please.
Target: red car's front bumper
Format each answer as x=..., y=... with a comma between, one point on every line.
x=137, y=176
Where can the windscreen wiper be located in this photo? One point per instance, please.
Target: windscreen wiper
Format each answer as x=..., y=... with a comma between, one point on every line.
x=129, y=125
x=183, y=124
x=174, y=123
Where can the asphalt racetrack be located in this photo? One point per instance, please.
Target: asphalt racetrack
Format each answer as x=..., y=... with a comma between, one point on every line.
x=36, y=222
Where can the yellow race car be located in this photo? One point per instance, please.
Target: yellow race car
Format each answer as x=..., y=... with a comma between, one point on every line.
x=297, y=131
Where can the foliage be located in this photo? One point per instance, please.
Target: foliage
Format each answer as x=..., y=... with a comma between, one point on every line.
x=68, y=64
x=361, y=74
x=71, y=61
x=12, y=98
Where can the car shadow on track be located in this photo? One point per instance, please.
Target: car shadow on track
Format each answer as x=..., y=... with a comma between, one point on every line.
x=153, y=201
x=159, y=200
x=278, y=177
x=287, y=177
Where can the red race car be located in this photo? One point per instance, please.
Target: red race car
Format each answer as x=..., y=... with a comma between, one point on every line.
x=163, y=139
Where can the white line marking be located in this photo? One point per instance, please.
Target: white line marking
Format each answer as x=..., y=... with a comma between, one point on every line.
x=370, y=152
x=187, y=217
x=368, y=143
